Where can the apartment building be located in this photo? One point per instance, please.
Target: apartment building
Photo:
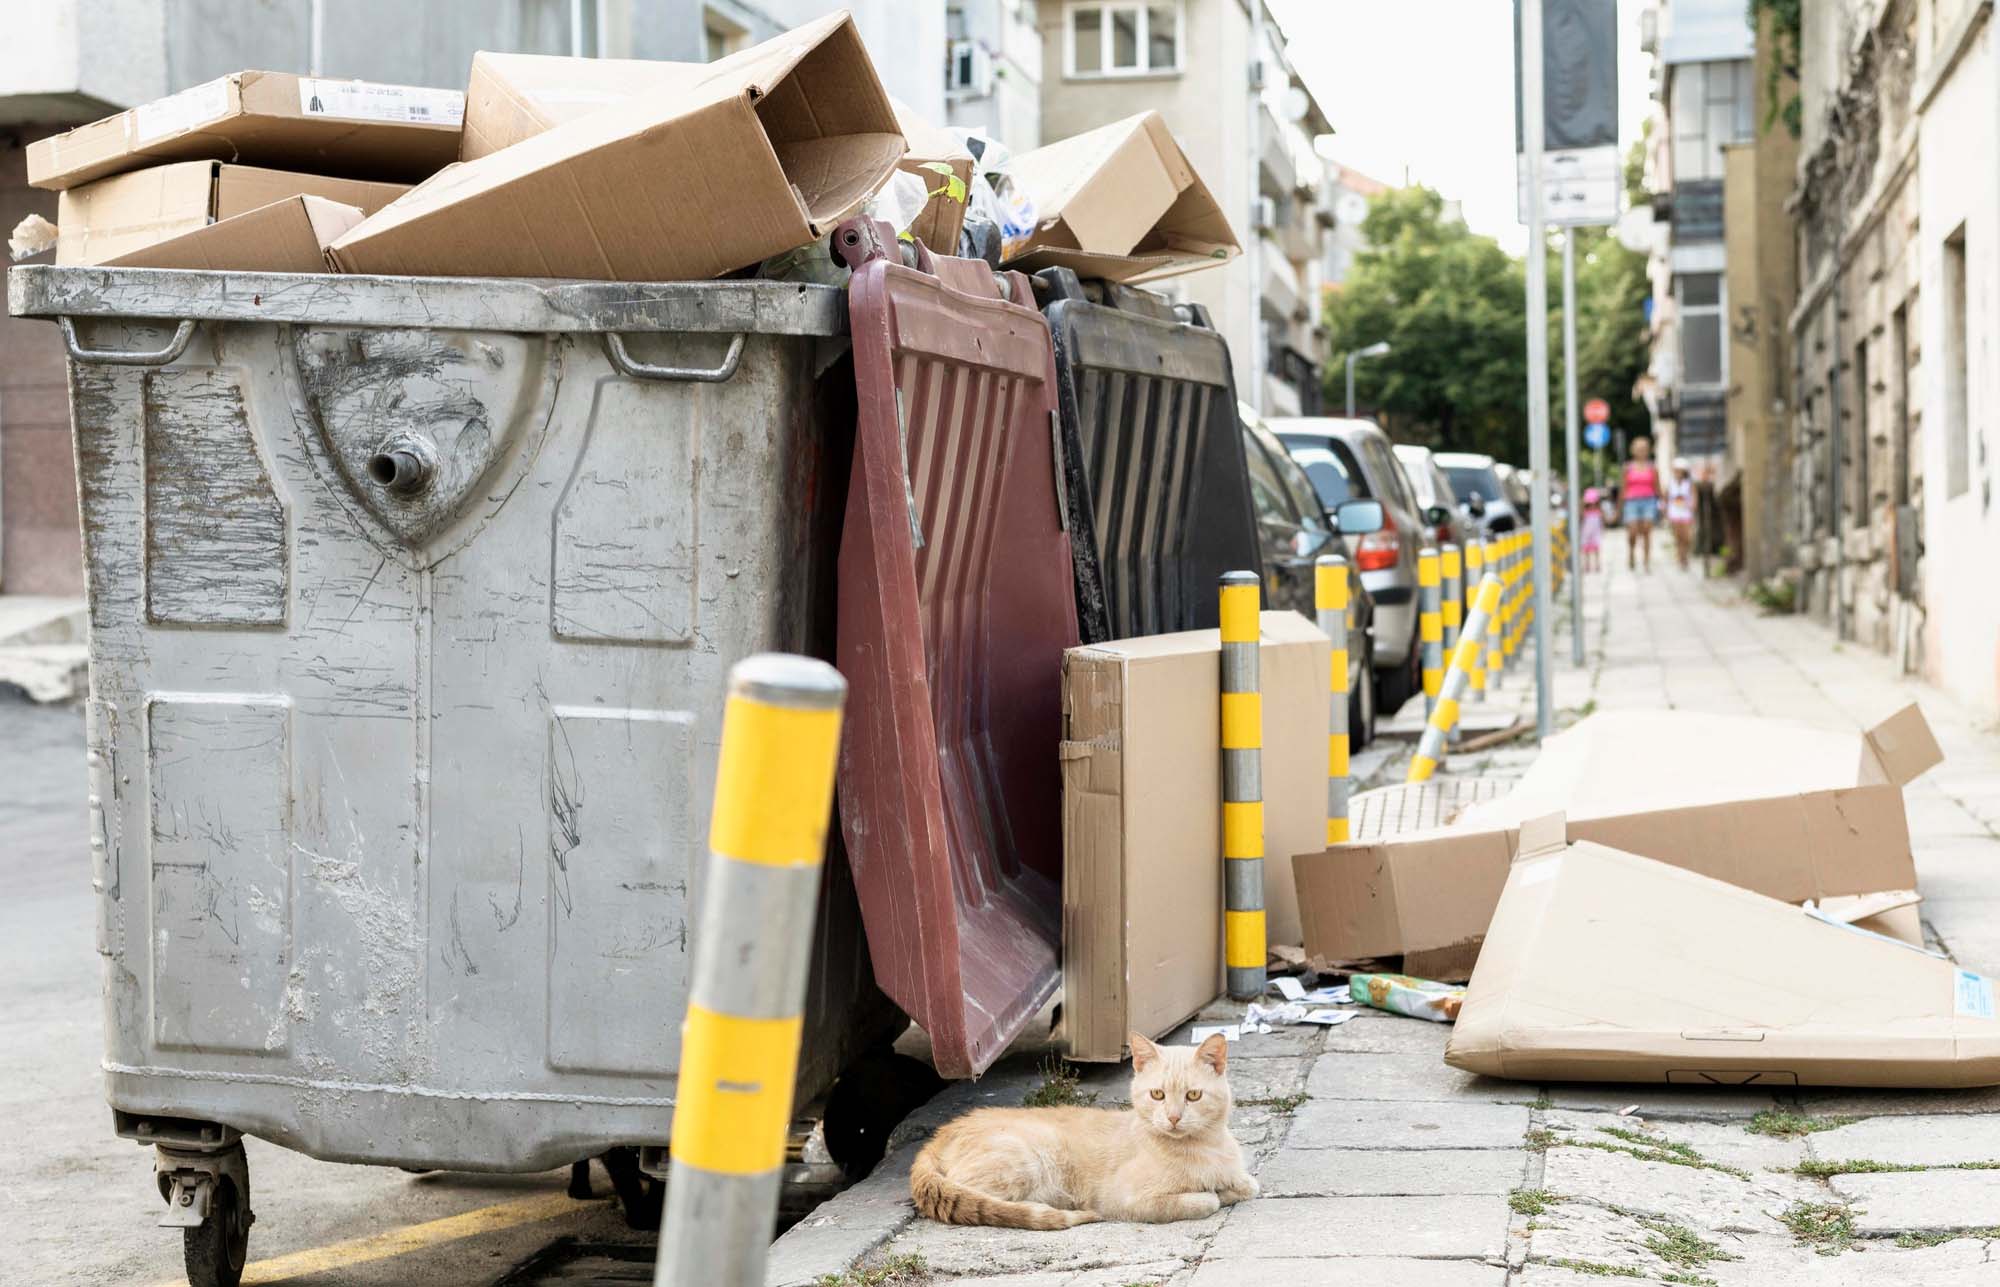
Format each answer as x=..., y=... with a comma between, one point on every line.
x=993, y=70
x=1193, y=61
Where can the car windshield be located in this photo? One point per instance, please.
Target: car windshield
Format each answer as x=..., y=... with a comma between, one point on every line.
x=1467, y=479
x=1328, y=475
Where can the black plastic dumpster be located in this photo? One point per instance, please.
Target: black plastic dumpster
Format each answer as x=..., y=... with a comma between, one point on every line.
x=1158, y=491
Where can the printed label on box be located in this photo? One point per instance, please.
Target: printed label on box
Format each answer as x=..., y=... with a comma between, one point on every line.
x=1974, y=996
x=176, y=112
x=358, y=100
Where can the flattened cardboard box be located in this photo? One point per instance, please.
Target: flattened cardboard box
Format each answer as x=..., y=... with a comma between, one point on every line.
x=747, y=157
x=289, y=236
x=1791, y=812
x=1604, y=966
x=112, y=218
x=1120, y=202
x=511, y=97
x=1142, y=820
x=359, y=129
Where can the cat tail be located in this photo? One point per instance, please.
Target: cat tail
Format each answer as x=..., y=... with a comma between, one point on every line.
x=945, y=1200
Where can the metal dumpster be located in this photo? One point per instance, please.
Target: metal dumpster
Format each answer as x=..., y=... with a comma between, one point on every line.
x=956, y=602
x=1158, y=491
x=411, y=602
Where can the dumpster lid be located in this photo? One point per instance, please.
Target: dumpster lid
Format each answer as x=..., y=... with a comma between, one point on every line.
x=441, y=303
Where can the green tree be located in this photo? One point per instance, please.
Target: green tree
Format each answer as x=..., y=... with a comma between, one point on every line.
x=1451, y=305
x=1611, y=332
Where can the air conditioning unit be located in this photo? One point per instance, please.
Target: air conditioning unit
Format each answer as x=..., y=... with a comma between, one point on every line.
x=969, y=72
x=1649, y=30
x=1264, y=214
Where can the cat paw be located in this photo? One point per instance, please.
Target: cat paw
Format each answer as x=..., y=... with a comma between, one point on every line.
x=1240, y=1191
x=1200, y=1205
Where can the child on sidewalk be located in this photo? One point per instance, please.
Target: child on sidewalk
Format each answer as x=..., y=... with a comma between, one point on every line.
x=1591, y=529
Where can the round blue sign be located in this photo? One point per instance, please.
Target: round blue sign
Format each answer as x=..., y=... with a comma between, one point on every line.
x=1596, y=435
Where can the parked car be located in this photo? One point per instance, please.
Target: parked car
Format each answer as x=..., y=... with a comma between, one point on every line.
x=1352, y=459
x=1516, y=482
x=1434, y=491
x=1482, y=496
x=1295, y=529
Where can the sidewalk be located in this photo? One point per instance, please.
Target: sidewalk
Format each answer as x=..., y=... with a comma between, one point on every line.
x=1383, y=1167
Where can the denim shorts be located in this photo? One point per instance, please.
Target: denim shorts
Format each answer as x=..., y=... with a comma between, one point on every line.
x=1643, y=509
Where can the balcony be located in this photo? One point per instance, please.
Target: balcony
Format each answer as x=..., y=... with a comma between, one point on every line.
x=1697, y=210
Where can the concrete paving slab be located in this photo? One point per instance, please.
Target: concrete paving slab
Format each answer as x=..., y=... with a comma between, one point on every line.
x=1693, y=1196
x=1158, y=1273
x=1728, y=1143
x=1407, y=1076
x=1429, y=1228
x=1378, y=1032
x=1326, y=1172
x=1900, y=1103
x=1358, y=1271
x=1407, y=1125
x=1666, y=1103
x=1940, y=1140
x=1922, y=1201
x=955, y=1250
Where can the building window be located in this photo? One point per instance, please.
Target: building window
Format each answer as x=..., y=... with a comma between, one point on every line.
x=1713, y=104
x=1700, y=311
x=720, y=37
x=1957, y=418
x=1124, y=39
x=1859, y=500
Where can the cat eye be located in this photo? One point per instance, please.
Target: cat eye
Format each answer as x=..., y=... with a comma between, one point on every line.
x=1193, y=1095
x=1159, y=1094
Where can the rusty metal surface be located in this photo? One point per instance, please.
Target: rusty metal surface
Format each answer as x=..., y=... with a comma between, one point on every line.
x=956, y=602
x=399, y=801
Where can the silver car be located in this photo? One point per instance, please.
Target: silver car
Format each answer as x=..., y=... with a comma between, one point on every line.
x=1434, y=492
x=1353, y=460
x=1483, y=496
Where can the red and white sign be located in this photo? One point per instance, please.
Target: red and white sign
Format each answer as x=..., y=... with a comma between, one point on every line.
x=1597, y=411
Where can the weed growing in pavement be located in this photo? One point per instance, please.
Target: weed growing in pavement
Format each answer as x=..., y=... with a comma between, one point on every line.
x=1679, y=1245
x=1283, y=1105
x=1814, y=1169
x=1061, y=1087
x=1540, y=1140
x=1776, y=597
x=896, y=1271
x=1598, y=1269
x=1648, y=1148
x=1826, y=1227
x=1542, y=1101
x=1791, y=1125
x=1935, y=1237
x=1532, y=1202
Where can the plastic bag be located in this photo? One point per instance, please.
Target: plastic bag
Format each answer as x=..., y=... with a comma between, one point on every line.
x=1401, y=994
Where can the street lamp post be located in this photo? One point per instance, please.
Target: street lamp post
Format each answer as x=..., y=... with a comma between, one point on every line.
x=1376, y=349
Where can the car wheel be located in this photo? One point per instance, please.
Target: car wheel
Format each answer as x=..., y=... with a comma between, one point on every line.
x=1361, y=707
x=1392, y=687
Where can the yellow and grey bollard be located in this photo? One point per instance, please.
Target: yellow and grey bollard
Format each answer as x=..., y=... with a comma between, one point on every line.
x=1244, y=945
x=1331, y=601
x=1495, y=557
x=1430, y=625
x=753, y=946
x=1451, y=571
x=1475, y=563
x=1464, y=660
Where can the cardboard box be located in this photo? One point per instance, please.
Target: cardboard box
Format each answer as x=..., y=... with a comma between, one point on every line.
x=1792, y=812
x=112, y=218
x=352, y=128
x=511, y=97
x=289, y=236
x=1119, y=202
x=1142, y=820
x=752, y=155
x=1604, y=966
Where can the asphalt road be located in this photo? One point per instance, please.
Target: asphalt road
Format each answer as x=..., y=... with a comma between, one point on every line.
x=85, y=1202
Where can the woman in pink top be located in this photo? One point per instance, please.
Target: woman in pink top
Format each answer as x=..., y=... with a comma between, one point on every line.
x=1641, y=492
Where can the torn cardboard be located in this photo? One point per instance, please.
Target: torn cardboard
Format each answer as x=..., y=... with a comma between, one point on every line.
x=941, y=160
x=1792, y=812
x=1120, y=202
x=1142, y=820
x=116, y=217
x=289, y=236
x=351, y=128
x=1605, y=966
x=630, y=192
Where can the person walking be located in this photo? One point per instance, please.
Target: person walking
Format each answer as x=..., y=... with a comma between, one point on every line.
x=1590, y=530
x=1641, y=490
x=1680, y=511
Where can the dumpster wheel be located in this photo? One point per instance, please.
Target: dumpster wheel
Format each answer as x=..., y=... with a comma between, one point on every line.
x=215, y=1250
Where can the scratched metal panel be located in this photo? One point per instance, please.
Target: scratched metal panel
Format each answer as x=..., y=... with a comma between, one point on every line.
x=216, y=552
x=447, y=1000
x=218, y=773
x=620, y=795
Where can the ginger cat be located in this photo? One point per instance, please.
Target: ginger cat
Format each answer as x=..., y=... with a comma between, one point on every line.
x=1169, y=1157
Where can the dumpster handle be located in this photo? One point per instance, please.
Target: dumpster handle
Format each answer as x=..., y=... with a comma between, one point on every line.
x=113, y=357
x=614, y=348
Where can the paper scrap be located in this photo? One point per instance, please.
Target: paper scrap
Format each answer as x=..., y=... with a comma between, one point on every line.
x=1289, y=988
x=1329, y=1018
x=1199, y=1035
x=1973, y=996
x=1329, y=996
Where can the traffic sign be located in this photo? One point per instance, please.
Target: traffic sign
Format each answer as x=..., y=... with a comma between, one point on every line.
x=1596, y=434
x=1597, y=411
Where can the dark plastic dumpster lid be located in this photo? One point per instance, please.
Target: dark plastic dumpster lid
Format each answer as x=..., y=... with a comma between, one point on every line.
x=1158, y=488
x=956, y=604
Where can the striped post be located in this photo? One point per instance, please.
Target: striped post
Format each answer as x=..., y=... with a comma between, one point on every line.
x=1510, y=622
x=1475, y=564
x=753, y=949
x=1496, y=566
x=1244, y=944
x=1464, y=660
x=1451, y=571
x=1430, y=625
x=1330, y=595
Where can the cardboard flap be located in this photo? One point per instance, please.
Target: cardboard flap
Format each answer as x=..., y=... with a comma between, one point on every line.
x=286, y=236
x=1904, y=745
x=1544, y=834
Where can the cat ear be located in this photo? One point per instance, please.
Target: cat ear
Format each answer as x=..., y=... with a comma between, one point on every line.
x=1214, y=1052
x=1144, y=1052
